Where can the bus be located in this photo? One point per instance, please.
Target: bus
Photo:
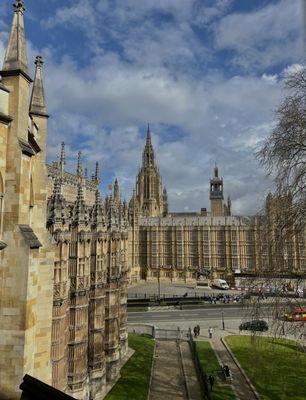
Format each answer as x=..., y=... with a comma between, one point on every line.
x=299, y=314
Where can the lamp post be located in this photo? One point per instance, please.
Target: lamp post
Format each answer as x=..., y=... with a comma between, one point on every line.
x=222, y=319
x=158, y=282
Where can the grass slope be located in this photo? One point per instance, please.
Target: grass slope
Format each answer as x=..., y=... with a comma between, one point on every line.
x=210, y=366
x=135, y=375
x=276, y=367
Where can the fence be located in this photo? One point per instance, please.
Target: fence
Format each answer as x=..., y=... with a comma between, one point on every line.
x=158, y=333
x=142, y=329
x=201, y=374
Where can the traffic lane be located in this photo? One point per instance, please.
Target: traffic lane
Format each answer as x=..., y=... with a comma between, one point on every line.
x=187, y=314
x=211, y=313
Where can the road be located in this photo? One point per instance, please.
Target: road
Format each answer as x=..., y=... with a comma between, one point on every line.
x=185, y=315
x=171, y=319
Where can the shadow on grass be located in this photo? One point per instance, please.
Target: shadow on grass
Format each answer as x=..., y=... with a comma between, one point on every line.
x=135, y=375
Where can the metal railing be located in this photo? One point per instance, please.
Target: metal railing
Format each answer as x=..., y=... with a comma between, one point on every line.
x=202, y=377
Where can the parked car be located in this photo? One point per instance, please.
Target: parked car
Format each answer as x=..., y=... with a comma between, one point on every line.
x=256, y=325
x=298, y=314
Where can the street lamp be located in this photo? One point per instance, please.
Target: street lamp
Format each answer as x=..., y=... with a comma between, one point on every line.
x=158, y=281
x=222, y=319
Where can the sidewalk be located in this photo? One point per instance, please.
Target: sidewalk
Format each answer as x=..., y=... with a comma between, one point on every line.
x=167, y=376
x=174, y=375
x=241, y=386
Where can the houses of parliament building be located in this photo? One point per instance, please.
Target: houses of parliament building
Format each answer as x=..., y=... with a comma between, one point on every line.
x=67, y=255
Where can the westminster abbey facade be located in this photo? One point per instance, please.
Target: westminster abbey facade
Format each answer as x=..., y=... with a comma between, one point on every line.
x=63, y=257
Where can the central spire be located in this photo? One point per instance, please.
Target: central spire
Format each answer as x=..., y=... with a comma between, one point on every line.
x=16, y=54
x=148, y=154
x=148, y=135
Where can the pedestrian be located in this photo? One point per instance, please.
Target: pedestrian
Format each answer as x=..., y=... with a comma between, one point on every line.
x=211, y=382
x=198, y=329
x=210, y=332
x=195, y=331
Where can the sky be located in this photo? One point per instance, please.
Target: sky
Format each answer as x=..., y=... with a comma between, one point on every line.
x=206, y=74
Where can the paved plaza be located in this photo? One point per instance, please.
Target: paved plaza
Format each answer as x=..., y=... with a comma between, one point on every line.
x=178, y=289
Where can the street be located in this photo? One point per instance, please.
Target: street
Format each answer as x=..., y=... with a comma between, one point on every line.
x=171, y=319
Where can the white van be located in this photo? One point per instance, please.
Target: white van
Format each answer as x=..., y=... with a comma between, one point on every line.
x=220, y=284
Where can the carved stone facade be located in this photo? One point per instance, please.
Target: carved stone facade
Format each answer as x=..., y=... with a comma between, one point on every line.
x=180, y=246
x=90, y=279
x=63, y=258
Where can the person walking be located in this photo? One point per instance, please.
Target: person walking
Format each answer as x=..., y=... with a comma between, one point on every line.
x=211, y=380
x=210, y=332
x=198, y=329
x=195, y=331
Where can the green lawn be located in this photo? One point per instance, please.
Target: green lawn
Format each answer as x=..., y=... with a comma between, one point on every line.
x=210, y=366
x=276, y=367
x=135, y=375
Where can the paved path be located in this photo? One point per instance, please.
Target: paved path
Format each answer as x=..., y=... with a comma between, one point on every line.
x=174, y=375
x=193, y=386
x=241, y=387
x=167, y=380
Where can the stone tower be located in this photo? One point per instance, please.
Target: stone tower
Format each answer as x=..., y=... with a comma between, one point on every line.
x=26, y=273
x=149, y=188
x=216, y=194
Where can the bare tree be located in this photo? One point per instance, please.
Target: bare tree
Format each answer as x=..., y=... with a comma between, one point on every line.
x=284, y=152
x=280, y=232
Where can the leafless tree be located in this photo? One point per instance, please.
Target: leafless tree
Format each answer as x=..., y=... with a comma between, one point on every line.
x=280, y=231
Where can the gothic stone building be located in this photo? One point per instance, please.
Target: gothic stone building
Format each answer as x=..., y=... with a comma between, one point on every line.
x=63, y=258
x=180, y=246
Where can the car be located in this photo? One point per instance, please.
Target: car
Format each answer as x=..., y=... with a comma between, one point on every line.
x=298, y=314
x=256, y=325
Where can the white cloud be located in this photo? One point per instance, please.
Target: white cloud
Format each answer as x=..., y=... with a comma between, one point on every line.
x=265, y=37
x=292, y=69
x=100, y=107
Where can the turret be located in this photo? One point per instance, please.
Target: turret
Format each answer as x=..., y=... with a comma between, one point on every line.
x=79, y=167
x=116, y=191
x=133, y=209
x=97, y=214
x=216, y=194
x=229, y=205
x=165, y=202
x=79, y=208
x=57, y=214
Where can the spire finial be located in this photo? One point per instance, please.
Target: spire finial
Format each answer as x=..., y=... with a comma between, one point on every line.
x=97, y=173
x=19, y=6
x=38, y=102
x=39, y=62
x=63, y=154
x=16, y=53
x=116, y=190
x=148, y=134
x=63, y=160
x=79, y=168
x=216, y=170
